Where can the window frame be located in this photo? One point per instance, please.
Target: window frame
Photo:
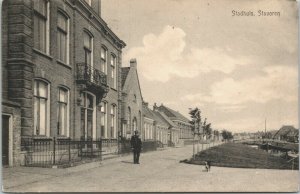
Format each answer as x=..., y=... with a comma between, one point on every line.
x=113, y=116
x=46, y=18
x=84, y=96
x=90, y=49
x=66, y=32
x=47, y=108
x=103, y=61
x=66, y=131
x=113, y=66
x=104, y=115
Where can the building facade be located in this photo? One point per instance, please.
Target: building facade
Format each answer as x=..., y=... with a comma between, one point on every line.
x=132, y=101
x=149, y=128
x=61, y=68
x=179, y=121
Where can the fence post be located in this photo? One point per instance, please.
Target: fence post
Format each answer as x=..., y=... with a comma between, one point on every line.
x=92, y=147
x=100, y=149
x=54, y=142
x=69, y=149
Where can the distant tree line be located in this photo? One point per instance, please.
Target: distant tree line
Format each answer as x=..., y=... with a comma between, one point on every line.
x=227, y=135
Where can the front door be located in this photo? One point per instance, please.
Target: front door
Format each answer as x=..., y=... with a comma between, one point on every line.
x=5, y=140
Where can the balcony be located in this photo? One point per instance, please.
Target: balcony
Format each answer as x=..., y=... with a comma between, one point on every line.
x=91, y=79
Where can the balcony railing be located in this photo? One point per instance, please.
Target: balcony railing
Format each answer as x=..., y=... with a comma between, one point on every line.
x=88, y=74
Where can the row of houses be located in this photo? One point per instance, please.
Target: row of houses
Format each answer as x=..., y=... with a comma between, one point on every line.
x=286, y=133
x=62, y=77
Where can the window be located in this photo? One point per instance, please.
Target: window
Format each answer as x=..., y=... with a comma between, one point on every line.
x=41, y=108
x=62, y=38
x=63, y=112
x=113, y=121
x=103, y=120
x=88, y=116
x=113, y=63
x=41, y=25
x=88, y=48
x=129, y=121
x=103, y=60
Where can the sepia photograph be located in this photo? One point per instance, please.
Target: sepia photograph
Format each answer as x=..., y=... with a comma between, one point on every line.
x=149, y=96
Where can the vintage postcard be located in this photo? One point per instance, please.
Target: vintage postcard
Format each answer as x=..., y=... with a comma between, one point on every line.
x=149, y=96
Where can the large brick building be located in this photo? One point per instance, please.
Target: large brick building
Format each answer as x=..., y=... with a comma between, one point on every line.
x=61, y=68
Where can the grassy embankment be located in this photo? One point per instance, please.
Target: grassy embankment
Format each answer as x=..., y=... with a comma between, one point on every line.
x=241, y=156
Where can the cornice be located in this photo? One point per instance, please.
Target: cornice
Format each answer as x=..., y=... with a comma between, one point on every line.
x=98, y=23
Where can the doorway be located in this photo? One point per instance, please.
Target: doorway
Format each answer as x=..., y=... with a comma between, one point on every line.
x=5, y=139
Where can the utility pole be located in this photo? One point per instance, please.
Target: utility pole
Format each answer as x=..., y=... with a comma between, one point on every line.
x=265, y=127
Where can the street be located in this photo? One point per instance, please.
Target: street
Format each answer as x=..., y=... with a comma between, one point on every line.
x=159, y=171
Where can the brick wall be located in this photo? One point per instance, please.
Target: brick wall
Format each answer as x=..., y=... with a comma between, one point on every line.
x=13, y=110
x=133, y=99
x=22, y=63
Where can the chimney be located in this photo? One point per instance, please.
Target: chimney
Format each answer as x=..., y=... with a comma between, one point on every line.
x=155, y=107
x=146, y=104
x=133, y=63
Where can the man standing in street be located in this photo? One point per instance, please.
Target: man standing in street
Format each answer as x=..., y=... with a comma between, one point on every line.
x=136, y=146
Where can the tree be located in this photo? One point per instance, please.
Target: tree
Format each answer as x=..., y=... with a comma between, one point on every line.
x=208, y=130
x=227, y=135
x=196, y=119
x=196, y=122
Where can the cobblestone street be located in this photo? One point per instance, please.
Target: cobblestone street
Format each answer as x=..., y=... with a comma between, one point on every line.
x=159, y=171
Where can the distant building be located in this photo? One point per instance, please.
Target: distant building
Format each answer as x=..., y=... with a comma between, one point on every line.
x=155, y=127
x=287, y=133
x=180, y=123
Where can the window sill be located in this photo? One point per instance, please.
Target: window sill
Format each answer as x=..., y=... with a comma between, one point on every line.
x=42, y=53
x=63, y=64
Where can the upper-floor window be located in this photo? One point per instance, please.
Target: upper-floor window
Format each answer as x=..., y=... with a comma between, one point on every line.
x=41, y=108
x=103, y=59
x=63, y=38
x=41, y=25
x=88, y=48
x=113, y=65
x=63, y=112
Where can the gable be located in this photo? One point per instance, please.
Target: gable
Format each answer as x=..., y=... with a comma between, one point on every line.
x=131, y=84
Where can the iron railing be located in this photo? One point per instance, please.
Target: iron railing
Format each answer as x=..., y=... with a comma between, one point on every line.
x=66, y=152
x=49, y=152
x=87, y=73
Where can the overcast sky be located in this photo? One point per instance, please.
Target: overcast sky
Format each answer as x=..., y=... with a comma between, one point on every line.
x=237, y=70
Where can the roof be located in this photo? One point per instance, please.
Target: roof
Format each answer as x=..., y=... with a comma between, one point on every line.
x=165, y=118
x=160, y=120
x=287, y=130
x=124, y=73
x=147, y=112
x=154, y=115
x=172, y=114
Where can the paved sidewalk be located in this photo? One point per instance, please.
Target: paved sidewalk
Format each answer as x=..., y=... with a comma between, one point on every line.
x=159, y=171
